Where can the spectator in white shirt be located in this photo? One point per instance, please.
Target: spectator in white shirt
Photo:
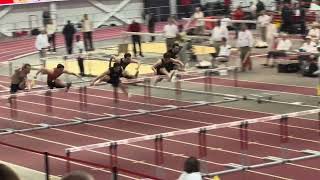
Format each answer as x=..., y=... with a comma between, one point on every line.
x=42, y=43
x=87, y=28
x=217, y=33
x=308, y=46
x=284, y=44
x=263, y=22
x=170, y=32
x=252, y=9
x=308, y=49
x=51, y=31
x=225, y=22
x=191, y=170
x=314, y=32
x=81, y=50
x=224, y=53
x=245, y=41
x=198, y=14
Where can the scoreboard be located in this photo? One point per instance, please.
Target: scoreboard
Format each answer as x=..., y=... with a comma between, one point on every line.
x=12, y=2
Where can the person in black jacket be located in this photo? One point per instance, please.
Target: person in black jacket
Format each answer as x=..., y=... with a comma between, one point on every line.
x=260, y=7
x=286, y=15
x=68, y=31
x=151, y=25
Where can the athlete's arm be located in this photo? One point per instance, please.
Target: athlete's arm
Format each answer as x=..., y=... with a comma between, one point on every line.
x=42, y=71
x=155, y=66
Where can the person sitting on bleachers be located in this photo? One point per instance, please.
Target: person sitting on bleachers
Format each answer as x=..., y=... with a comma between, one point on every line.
x=308, y=46
x=314, y=32
x=307, y=50
x=284, y=44
x=224, y=53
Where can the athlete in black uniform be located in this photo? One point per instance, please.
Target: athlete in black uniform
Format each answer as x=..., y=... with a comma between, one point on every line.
x=124, y=62
x=166, y=66
x=111, y=76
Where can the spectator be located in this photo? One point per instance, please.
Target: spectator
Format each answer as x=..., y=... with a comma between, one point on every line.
x=87, y=28
x=68, y=31
x=136, y=39
x=6, y=173
x=263, y=21
x=81, y=50
x=245, y=43
x=283, y=45
x=227, y=5
x=191, y=170
x=151, y=22
x=42, y=43
x=77, y=175
x=46, y=17
x=170, y=32
x=286, y=15
x=186, y=7
x=300, y=16
x=238, y=15
x=198, y=14
x=314, y=32
x=252, y=10
x=260, y=6
x=224, y=53
x=51, y=31
x=217, y=34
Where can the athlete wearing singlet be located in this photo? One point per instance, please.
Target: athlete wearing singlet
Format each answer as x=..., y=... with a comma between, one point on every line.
x=124, y=62
x=167, y=64
x=52, y=77
x=19, y=78
x=115, y=74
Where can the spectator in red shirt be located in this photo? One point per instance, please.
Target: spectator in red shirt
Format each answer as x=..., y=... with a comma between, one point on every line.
x=227, y=5
x=135, y=27
x=186, y=7
x=238, y=14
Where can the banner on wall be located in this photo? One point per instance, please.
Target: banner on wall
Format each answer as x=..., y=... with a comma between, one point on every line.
x=12, y=2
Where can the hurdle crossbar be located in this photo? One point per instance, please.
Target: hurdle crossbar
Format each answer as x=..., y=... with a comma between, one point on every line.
x=193, y=130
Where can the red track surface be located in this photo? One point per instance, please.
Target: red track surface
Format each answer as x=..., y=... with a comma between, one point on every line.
x=20, y=47
x=259, y=86
x=223, y=144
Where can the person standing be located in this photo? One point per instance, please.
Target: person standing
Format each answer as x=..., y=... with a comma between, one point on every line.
x=245, y=43
x=151, y=23
x=87, y=28
x=68, y=31
x=198, y=14
x=81, y=50
x=218, y=33
x=260, y=6
x=136, y=39
x=263, y=22
x=46, y=17
x=286, y=15
x=51, y=31
x=238, y=15
x=170, y=33
x=42, y=43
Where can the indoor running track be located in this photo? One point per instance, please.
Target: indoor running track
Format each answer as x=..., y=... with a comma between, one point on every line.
x=223, y=144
